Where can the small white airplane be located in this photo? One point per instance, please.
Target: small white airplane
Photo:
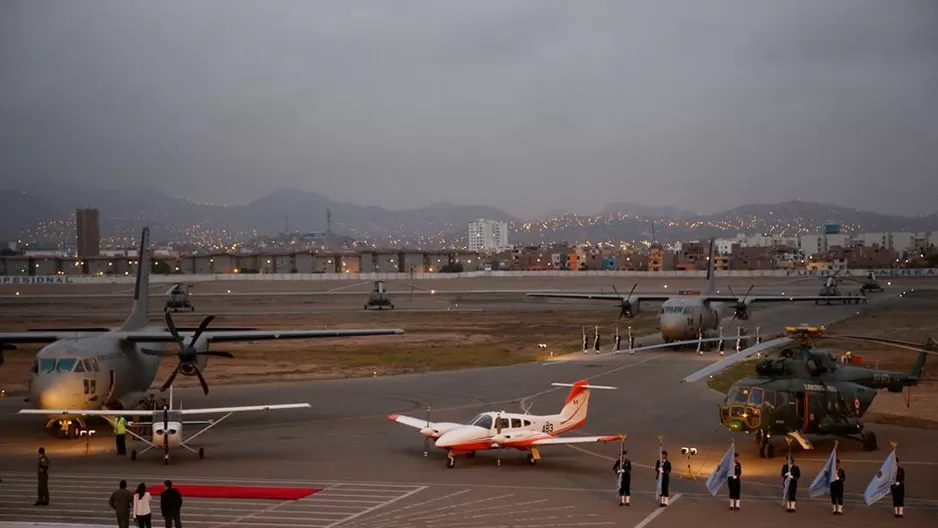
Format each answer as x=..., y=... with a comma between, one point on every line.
x=501, y=430
x=167, y=423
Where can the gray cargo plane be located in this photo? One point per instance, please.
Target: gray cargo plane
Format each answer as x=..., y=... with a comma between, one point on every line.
x=89, y=369
x=689, y=315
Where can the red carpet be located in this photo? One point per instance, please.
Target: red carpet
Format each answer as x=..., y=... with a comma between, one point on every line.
x=237, y=492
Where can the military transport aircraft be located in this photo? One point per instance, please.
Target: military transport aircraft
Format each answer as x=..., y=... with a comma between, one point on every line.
x=501, y=430
x=167, y=423
x=86, y=369
x=691, y=314
x=806, y=391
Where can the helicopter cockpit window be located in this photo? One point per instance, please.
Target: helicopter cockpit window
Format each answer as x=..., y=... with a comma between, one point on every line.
x=755, y=397
x=737, y=395
x=769, y=398
x=483, y=420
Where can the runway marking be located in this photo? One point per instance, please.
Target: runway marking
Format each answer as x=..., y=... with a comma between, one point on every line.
x=440, y=518
x=651, y=516
x=422, y=503
x=369, y=510
x=460, y=505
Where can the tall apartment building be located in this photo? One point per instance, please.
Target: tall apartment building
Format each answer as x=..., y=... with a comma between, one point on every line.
x=488, y=235
x=89, y=232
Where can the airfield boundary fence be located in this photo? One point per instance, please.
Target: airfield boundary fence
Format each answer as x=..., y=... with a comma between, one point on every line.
x=220, y=277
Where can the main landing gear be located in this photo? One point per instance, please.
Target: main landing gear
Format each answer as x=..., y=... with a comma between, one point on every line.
x=533, y=456
x=766, y=449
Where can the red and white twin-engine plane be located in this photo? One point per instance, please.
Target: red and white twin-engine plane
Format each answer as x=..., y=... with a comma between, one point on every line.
x=501, y=430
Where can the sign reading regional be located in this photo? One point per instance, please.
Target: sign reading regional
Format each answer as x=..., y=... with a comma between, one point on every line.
x=35, y=279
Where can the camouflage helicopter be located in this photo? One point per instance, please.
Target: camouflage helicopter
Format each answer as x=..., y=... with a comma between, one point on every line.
x=379, y=297
x=806, y=391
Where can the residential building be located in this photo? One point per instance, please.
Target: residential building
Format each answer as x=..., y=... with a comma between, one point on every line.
x=900, y=242
x=820, y=242
x=488, y=236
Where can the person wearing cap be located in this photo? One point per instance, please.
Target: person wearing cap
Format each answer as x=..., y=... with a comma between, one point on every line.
x=837, y=490
x=734, y=484
x=663, y=470
x=898, y=492
x=623, y=468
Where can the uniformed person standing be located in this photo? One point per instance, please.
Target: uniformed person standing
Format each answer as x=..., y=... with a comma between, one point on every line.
x=837, y=490
x=734, y=483
x=663, y=469
x=795, y=473
x=42, y=472
x=120, y=435
x=898, y=491
x=623, y=468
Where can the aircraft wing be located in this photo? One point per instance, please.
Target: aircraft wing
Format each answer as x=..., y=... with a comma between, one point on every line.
x=46, y=336
x=88, y=412
x=260, y=335
x=250, y=408
x=638, y=298
x=781, y=298
x=417, y=423
x=560, y=440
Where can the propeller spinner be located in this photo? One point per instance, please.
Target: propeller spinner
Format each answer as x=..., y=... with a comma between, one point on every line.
x=741, y=309
x=188, y=354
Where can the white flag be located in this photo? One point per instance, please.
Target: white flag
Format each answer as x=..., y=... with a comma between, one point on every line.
x=788, y=462
x=660, y=475
x=882, y=482
x=722, y=471
x=822, y=482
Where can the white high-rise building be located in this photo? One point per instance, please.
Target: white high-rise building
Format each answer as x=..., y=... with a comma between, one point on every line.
x=488, y=235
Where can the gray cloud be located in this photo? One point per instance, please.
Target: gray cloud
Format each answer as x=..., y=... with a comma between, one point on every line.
x=524, y=105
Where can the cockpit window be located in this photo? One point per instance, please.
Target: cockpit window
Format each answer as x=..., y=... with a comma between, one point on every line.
x=483, y=420
x=46, y=365
x=673, y=310
x=737, y=395
x=66, y=365
x=80, y=367
x=755, y=397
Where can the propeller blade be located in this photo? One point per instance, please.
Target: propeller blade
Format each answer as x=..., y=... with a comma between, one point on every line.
x=629, y=296
x=426, y=439
x=216, y=353
x=160, y=353
x=171, y=326
x=201, y=379
x=172, y=377
x=202, y=326
x=735, y=358
x=751, y=286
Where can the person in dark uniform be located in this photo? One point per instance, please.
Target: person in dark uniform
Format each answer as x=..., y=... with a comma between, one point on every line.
x=121, y=502
x=837, y=490
x=42, y=472
x=795, y=473
x=623, y=468
x=663, y=469
x=898, y=491
x=171, y=505
x=734, y=483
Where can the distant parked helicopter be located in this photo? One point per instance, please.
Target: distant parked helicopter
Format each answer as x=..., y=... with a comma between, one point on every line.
x=379, y=297
x=805, y=391
x=178, y=298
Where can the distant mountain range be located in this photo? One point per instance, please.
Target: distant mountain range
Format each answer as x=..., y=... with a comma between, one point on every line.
x=44, y=213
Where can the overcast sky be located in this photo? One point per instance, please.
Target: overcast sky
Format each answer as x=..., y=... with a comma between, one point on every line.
x=523, y=105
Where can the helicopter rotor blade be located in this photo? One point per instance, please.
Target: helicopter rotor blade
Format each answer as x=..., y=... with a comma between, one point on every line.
x=735, y=358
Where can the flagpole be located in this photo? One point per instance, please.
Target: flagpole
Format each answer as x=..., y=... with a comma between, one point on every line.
x=660, y=476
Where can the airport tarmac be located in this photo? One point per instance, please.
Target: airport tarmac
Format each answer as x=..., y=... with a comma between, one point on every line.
x=346, y=444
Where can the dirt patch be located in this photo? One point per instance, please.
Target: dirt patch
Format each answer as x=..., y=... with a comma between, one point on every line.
x=433, y=341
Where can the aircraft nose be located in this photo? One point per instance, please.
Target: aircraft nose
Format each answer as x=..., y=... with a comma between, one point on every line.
x=49, y=393
x=672, y=327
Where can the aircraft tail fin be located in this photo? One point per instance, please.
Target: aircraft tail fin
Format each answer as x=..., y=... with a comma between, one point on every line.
x=573, y=413
x=139, y=314
x=710, y=286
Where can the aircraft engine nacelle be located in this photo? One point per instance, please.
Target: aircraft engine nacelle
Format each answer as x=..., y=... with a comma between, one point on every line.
x=742, y=311
x=772, y=367
x=429, y=432
x=187, y=368
x=170, y=431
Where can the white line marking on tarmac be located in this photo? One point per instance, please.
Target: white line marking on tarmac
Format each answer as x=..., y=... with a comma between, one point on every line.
x=651, y=516
x=369, y=510
x=422, y=503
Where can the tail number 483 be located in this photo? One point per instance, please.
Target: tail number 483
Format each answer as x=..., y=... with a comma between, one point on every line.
x=548, y=428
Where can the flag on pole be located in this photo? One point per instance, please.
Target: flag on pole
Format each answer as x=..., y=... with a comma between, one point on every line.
x=660, y=476
x=882, y=482
x=722, y=471
x=585, y=342
x=618, y=339
x=787, y=479
x=822, y=482
x=596, y=341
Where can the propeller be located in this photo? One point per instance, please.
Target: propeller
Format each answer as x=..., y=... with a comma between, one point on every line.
x=188, y=354
x=165, y=433
x=741, y=309
x=624, y=304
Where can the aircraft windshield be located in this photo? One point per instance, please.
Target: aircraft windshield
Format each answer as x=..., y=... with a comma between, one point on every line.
x=483, y=420
x=58, y=365
x=672, y=309
x=738, y=395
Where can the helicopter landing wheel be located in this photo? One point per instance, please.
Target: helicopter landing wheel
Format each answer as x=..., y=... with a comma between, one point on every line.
x=201, y=453
x=869, y=441
x=450, y=461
